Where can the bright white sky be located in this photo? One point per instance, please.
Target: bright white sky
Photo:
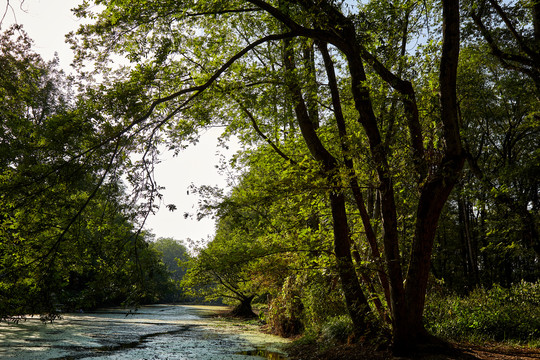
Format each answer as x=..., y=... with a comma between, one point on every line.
x=47, y=22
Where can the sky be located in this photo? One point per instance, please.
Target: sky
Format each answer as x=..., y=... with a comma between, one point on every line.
x=47, y=22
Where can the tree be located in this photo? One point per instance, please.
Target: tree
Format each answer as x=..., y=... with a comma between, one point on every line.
x=511, y=33
x=174, y=255
x=67, y=234
x=222, y=270
x=231, y=56
x=495, y=210
x=511, y=30
x=172, y=252
x=243, y=260
x=278, y=227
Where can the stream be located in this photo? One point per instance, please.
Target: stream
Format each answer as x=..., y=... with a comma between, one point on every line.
x=152, y=332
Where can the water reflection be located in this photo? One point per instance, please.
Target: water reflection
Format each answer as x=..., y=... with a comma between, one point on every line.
x=270, y=355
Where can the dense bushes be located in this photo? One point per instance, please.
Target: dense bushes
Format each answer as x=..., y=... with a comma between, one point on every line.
x=322, y=300
x=496, y=314
x=484, y=315
x=285, y=310
x=310, y=305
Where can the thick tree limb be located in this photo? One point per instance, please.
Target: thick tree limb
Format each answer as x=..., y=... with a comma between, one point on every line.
x=405, y=88
x=314, y=144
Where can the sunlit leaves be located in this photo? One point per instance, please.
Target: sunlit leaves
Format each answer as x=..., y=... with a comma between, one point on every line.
x=67, y=237
x=308, y=136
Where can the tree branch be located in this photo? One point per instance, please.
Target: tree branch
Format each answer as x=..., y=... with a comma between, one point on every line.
x=408, y=97
x=262, y=135
x=353, y=179
x=223, y=12
x=515, y=34
x=313, y=142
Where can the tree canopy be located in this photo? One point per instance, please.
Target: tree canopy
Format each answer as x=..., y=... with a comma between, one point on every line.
x=69, y=238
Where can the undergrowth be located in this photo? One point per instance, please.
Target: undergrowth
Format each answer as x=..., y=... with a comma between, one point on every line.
x=498, y=314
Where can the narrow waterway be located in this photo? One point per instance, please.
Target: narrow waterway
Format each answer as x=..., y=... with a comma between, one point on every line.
x=152, y=332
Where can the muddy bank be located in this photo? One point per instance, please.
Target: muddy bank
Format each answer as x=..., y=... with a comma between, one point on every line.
x=152, y=332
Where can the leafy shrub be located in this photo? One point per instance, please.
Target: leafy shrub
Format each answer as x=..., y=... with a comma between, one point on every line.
x=285, y=311
x=487, y=315
x=322, y=299
x=337, y=329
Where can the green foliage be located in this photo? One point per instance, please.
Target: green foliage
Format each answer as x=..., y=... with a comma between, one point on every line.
x=174, y=256
x=337, y=329
x=489, y=231
x=285, y=310
x=398, y=136
x=498, y=314
x=322, y=300
x=67, y=233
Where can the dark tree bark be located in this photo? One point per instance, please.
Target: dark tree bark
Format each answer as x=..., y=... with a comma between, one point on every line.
x=355, y=188
x=438, y=186
x=407, y=302
x=244, y=309
x=368, y=121
x=357, y=303
x=436, y=180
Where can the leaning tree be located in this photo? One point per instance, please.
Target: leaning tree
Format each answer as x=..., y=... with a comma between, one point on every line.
x=341, y=78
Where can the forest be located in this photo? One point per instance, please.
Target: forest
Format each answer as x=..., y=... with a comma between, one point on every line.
x=386, y=190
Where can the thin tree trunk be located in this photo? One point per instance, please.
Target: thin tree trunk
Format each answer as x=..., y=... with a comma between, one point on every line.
x=467, y=213
x=368, y=121
x=372, y=291
x=353, y=179
x=357, y=304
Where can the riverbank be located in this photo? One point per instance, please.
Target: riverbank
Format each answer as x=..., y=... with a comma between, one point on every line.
x=301, y=350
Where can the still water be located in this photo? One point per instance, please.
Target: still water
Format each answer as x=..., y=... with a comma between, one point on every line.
x=174, y=332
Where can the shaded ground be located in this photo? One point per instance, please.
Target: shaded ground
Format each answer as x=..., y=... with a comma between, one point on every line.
x=153, y=332
x=499, y=352
x=460, y=352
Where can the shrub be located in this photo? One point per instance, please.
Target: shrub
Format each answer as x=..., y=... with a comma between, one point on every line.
x=322, y=299
x=496, y=314
x=337, y=329
x=285, y=311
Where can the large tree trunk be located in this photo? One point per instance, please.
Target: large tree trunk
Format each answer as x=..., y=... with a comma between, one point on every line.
x=357, y=304
x=410, y=332
x=437, y=179
x=244, y=309
x=407, y=302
